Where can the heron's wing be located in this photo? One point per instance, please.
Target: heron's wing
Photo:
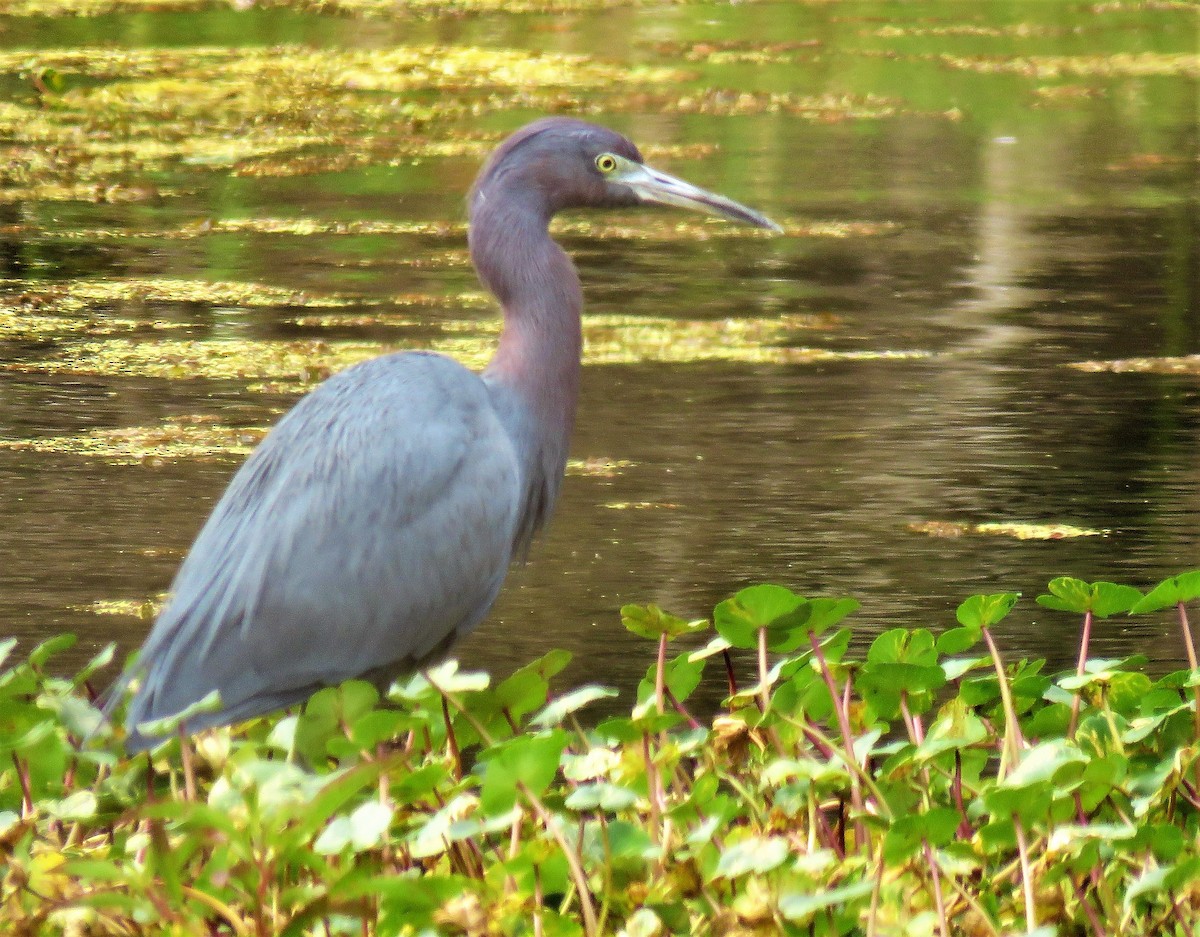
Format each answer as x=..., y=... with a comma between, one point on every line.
x=372, y=526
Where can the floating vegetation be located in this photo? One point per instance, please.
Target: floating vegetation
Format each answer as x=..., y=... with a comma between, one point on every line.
x=292, y=365
x=738, y=51
x=203, y=437
x=1183, y=364
x=110, y=113
x=392, y=317
x=21, y=324
x=1066, y=94
x=1144, y=162
x=145, y=609
x=826, y=108
x=75, y=296
x=99, y=7
x=1004, y=31
x=307, y=227
x=198, y=437
x=598, y=467
x=1116, y=65
x=641, y=506
x=1014, y=529
x=636, y=339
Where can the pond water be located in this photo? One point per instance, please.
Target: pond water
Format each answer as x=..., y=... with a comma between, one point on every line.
x=204, y=209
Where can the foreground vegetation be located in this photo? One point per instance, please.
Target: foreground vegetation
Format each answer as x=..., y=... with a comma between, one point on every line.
x=928, y=787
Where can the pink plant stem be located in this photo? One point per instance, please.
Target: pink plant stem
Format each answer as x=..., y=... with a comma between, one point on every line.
x=764, y=694
x=943, y=926
x=860, y=830
x=1014, y=742
x=660, y=674
x=1026, y=876
x=1190, y=647
x=1084, y=640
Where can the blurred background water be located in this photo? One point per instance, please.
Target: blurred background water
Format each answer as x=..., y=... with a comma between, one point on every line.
x=996, y=189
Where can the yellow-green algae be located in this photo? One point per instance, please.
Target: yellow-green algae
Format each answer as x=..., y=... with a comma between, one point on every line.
x=641, y=506
x=1182, y=364
x=296, y=364
x=76, y=296
x=204, y=437
x=145, y=609
x=131, y=112
x=648, y=226
x=197, y=437
x=1018, y=530
x=597, y=467
x=1115, y=65
x=612, y=339
x=42, y=310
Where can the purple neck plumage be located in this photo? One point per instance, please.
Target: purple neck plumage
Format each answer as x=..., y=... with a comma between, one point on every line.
x=539, y=291
x=534, y=375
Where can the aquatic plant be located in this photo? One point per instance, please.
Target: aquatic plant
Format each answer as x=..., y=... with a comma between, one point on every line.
x=921, y=787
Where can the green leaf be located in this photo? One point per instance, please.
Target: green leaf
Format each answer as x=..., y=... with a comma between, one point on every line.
x=957, y=640
x=610, y=798
x=753, y=854
x=50, y=647
x=681, y=676
x=825, y=613
x=101, y=660
x=369, y=825
x=650, y=621
x=1048, y=761
x=559, y=709
x=169, y=725
x=1102, y=599
x=6, y=648
x=531, y=760
x=526, y=689
x=936, y=826
x=984, y=611
x=1182, y=588
x=80, y=805
x=802, y=907
x=447, y=678
x=780, y=611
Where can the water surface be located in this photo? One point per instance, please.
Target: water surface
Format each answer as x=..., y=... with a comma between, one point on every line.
x=977, y=196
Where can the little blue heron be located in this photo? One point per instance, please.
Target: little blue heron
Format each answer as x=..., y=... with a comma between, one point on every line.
x=374, y=524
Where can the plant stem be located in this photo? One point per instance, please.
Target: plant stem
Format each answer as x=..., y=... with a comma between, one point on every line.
x=1190, y=646
x=660, y=674
x=1085, y=639
x=653, y=789
x=1026, y=876
x=730, y=675
x=1013, y=741
x=189, y=771
x=26, y=791
x=574, y=863
x=452, y=740
x=764, y=694
x=943, y=925
x=843, y=718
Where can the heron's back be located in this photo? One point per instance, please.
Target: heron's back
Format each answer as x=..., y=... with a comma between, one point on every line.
x=371, y=527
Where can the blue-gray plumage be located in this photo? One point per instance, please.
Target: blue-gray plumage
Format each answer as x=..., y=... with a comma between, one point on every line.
x=375, y=523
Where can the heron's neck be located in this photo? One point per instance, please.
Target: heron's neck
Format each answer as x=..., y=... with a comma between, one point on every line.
x=536, y=283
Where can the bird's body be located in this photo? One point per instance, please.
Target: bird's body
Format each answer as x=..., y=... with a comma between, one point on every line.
x=375, y=523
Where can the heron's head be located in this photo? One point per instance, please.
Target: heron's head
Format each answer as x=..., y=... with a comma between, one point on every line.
x=559, y=162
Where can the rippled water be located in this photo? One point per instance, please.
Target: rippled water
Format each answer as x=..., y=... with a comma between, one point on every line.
x=1020, y=221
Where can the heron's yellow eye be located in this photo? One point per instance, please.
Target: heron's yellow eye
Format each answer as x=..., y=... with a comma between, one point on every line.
x=606, y=162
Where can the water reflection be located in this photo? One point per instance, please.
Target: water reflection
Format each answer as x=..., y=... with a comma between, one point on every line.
x=1026, y=240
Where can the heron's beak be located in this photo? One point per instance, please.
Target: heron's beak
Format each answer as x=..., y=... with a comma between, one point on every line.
x=650, y=185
